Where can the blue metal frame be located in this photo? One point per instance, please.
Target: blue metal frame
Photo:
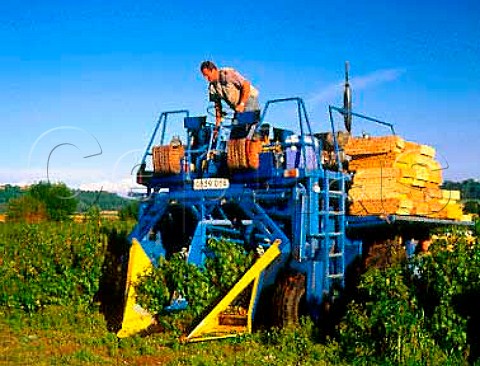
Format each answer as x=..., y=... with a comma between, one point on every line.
x=306, y=204
x=364, y=222
x=344, y=111
x=303, y=123
x=161, y=122
x=306, y=211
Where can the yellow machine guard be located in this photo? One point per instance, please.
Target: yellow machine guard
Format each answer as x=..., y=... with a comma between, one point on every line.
x=210, y=327
x=135, y=318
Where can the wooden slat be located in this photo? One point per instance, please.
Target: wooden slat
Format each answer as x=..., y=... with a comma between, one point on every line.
x=394, y=176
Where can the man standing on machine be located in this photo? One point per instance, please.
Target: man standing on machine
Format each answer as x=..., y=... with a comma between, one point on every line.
x=229, y=85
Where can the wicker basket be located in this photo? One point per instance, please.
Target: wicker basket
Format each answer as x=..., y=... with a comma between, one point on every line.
x=243, y=154
x=167, y=159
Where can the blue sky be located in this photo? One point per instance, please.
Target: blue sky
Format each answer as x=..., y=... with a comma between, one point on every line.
x=90, y=78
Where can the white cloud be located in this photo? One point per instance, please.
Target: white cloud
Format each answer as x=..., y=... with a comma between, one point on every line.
x=122, y=187
x=85, y=179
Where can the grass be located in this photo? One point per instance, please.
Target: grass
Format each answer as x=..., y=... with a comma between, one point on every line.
x=60, y=336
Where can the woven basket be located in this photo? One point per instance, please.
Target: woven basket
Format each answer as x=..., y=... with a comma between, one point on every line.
x=167, y=159
x=243, y=154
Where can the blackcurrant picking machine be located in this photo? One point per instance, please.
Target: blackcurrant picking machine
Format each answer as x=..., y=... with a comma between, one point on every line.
x=280, y=192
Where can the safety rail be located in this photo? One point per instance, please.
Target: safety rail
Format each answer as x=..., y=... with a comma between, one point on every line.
x=162, y=121
x=303, y=122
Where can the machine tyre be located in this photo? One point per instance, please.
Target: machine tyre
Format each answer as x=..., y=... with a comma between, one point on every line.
x=289, y=300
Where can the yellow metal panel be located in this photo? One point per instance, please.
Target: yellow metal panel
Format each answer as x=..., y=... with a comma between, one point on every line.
x=135, y=318
x=210, y=324
x=252, y=303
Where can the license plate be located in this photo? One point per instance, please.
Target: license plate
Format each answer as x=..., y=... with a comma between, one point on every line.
x=210, y=183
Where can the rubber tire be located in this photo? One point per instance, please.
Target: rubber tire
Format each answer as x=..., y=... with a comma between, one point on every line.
x=288, y=300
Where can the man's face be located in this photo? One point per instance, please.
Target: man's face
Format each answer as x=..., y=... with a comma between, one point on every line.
x=210, y=75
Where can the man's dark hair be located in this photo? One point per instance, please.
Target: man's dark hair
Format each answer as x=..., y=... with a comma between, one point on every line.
x=209, y=65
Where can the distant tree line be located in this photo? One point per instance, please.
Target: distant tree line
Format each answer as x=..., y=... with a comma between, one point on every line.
x=7, y=193
x=105, y=201
x=41, y=202
x=56, y=202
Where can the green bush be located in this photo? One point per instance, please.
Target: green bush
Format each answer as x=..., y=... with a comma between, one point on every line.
x=225, y=264
x=418, y=312
x=421, y=312
x=59, y=200
x=388, y=324
x=448, y=285
x=129, y=211
x=26, y=209
x=50, y=264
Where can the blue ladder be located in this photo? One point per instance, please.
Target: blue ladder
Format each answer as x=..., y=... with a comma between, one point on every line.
x=332, y=229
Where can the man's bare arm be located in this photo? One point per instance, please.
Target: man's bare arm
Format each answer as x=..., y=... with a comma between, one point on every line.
x=244, y=95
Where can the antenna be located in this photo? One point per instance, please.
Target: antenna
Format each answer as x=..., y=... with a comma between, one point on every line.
x=347, y=101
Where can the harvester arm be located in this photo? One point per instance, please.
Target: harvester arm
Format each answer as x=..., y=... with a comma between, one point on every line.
x=135, y=318
x=210, y=327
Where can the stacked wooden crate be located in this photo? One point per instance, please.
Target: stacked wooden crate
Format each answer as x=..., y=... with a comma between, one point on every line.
x=394, y=176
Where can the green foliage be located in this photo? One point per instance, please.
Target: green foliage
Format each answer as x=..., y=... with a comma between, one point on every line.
x=449, y=279
x=93, y=214
x=423, y=312
x=388, y=325
x=225, y=264
x=472, y=206
x=129, y=211
x=59, y=200
x=420, y=312
x=48, y=263
x=105, y=201
x=26, y=209
x=7, y=193
x=59, y=335
x=297, y=341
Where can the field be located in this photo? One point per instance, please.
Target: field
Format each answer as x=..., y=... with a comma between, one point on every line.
x=61, y=296
x=63, y=337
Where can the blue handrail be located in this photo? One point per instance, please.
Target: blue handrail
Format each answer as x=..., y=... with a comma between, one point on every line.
x=163, y=118
x=344, y=111
x=302, y=118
